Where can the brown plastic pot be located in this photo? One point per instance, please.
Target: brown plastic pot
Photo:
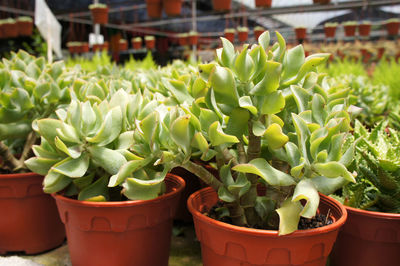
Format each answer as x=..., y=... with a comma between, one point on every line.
x=368, y=239
x=301, y=33
x=121, y=233
x=10, y=30
x=350, y=30
x=136, y=44
x=84, y=48
x=257, y=33
x=330, y=31
x=222, y=5
x=393, y=28
x=193, y=39
x=123, y=46
x=154, y=8
x=150, y=44
x=183, y=40
x=229, y=36
x=29, y=221
x=25, y=28
x=243, y=36
x=225, y=244
x=172, y=7
x=263, y=3
x=99, y=15
x=364, y=30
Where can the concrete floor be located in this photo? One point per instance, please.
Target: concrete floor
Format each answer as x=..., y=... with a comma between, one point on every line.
x=185, y=251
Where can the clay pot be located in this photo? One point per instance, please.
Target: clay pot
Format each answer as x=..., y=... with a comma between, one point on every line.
x=84, y=48
x=350, y=30
x=172, y=7
x=229, y=36
x=222, y=5
x=257, y=33
x=368, y=238
x=25, y=28
x=123, y=46
x=330, y=32
x=225, y=244
x=301, y=33
x=193, y=39
x=136, y=44
x=10, y=30
x=121, y=233
x=154, y=8
x=183, y=40
x=29, y=220
x=263, y=3
x=393, y=28
x=150, y=44
x=99, y=15
x=364, y=30
x=243, y=36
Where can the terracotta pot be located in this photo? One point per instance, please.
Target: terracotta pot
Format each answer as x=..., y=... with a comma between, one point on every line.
x=29, y=220
x=183, y=40
x=10, y=30
x=225, y=244
x=154, y=8
x=25, y=28
x=350, y=30
x=172, y=7
x=368, y=238
x=193, y=39
x=222, y=5
x=263, y=3
x=229, y=36
x=123, y=46
x=257, y=33
x=364, y=30
x=99, y=15
x=243, y=36
x=121, y=233
x=150, y=44
x=104, y=46
x=84, y=48
x=330, y=32
x=137, y=44
x=393, y=28
x=301, y=33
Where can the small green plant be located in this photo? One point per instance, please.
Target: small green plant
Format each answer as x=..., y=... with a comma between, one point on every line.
x=99, y=5
x=331, y=24
x=29, y=19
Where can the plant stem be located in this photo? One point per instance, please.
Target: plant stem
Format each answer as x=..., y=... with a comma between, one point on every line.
x=203, y=174
x=8, y=158
x=30, y=141
x=228, y=157
x=241, y=152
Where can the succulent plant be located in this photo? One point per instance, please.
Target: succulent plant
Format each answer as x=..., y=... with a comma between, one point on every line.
x=98, y=5
x=30, y=89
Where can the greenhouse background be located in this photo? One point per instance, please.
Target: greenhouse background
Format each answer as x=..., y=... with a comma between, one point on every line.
x=199, y=132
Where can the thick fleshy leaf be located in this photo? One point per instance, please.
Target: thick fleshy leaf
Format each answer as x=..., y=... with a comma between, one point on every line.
x=301, y=96
x=264, y=40
x=263, y=169
x=240, y=187
x=218, y=137
x=274, y=136
x=126, y=171
x=200, y=142
x=96, y=191
x=110, y=128
x=199, y=88
x=302, y=132
x=73, y=168
x=224, y=86
x=264, y=207
x=40, y=166
x=273, y=103
x=125, y=140
x=47, y=128
x=137, y=189
x=14, y=130
x=73, y=151
x=180, y=132
x=245, y=102
x=327, y=185
x=292, y=62
x=225, y=195
x=54, y=182
x=270, y=82
x=244, y=65
x=289, y=216
x=228, y=53
x=305, y=190
x=238, y=122
x=334, y=169
x=149, y=126
x=109, y=160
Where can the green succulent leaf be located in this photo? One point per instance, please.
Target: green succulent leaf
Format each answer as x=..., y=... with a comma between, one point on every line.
x=305, y=190
x=96, y=191
x=218, y=137
x=289, y=216
x=109, y=160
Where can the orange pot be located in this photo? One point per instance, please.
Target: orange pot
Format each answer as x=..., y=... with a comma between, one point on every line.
x=330, y=32
x=137, y=44
x=29, y=220
x=225, y=244
x=150, y=44
x=243, y=36
x=172, y=7
x=350, y=30
x=364, y=30
x=301, y=33
x=193, y=39
x=121, y=233
x=10, y=30
x=123, y=46
x=183, y=40
x=368, y=238
x=84, y=48
x=100, y=15
x=257, y=33
x=154, y=8
x=263, y=3
x=25, y=28
x=222, y=5
x=393, y=28
x=230, y=36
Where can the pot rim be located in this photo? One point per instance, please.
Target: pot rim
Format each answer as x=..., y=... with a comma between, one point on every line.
x=267, y=233
x=19, y=175
x=180, y=185
x=385, y=215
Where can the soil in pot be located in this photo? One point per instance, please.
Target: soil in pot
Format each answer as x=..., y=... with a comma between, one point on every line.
x=225, y=244
x=368, y=239
x=121, y=233
x=29, y=220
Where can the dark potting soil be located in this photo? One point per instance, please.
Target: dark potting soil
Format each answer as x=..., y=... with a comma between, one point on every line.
x=318, y=220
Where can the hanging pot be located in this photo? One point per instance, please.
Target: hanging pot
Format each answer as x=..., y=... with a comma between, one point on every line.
x=25, y=28
x=123, y=45
x=10, y=30
x=222, y=5
x=150, y=43
x=136, y=43
x=172, y=7
x=84, y=47
x=193, y=38
x=121, y=233
x=226, y=244
x=183, y=39
x=229, y=34
x=257, y=32
x=350, y=30
x=243, y=35
x=330, y=31
x=154, y=8
x=99, y=15
x=368, y=238
x=263, y=3
x=393, y=28
x=29, y=220
x=364, y=30
x=301, y=33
